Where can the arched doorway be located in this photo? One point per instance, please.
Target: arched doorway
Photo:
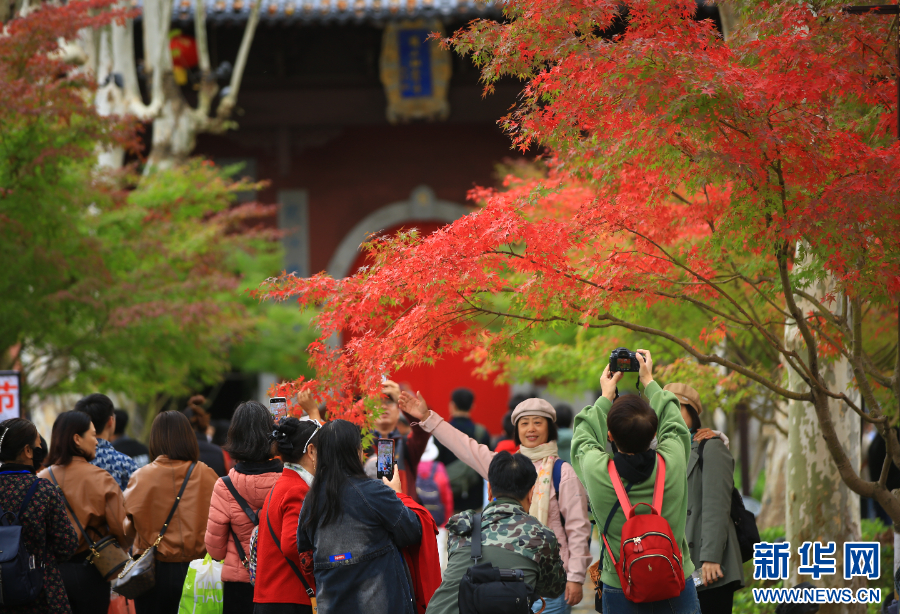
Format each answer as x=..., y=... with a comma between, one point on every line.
x=437, y=381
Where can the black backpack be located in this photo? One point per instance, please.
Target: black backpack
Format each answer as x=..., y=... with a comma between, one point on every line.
x=485, y=589
x=744, y=521
x=21, y=575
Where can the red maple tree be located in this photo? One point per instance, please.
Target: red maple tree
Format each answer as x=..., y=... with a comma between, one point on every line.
x=755, y=180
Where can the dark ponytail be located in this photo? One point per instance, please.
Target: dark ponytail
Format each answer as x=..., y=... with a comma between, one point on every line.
x=291, y=437
x=15, y=434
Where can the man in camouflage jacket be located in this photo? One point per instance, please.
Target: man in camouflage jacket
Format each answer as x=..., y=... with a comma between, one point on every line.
x=510, y=537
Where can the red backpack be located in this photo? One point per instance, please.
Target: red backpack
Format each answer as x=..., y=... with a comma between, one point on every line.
x=650, y=565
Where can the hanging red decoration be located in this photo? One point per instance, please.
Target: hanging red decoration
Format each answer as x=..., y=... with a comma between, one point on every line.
x=184, y=54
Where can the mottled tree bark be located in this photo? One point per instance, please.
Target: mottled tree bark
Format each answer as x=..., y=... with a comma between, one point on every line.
x=819, y=506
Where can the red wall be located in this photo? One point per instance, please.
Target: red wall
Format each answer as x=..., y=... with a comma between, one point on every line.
x=436, y=382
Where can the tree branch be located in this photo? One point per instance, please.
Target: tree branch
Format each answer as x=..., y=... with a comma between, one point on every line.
x=703, y=358
x=229, y=101
x=208, y=86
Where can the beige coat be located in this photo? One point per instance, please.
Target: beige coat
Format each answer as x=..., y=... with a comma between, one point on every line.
x=149, y=498
x=96, y=498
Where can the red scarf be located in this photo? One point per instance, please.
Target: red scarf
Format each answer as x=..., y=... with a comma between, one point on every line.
x=422, y=559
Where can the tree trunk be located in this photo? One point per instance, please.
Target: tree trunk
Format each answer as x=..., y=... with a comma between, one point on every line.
x=774, y=498
x=819, y=506
x=174, y=129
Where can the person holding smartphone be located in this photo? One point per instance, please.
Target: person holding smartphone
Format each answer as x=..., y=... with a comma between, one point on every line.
x=356, y=528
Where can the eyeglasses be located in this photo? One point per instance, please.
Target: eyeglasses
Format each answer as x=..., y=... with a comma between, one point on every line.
x=318, y=426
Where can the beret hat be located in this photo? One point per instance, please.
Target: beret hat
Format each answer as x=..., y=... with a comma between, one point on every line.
x=534, y=407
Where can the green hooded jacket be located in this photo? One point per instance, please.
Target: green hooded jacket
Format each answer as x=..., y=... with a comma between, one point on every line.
x=590, y=460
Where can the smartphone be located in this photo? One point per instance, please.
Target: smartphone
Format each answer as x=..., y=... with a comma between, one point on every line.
x=385, y=451
x=278, y=407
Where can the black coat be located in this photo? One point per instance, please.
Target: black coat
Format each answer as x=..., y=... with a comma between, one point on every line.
x=49, y=535
x=212, y=455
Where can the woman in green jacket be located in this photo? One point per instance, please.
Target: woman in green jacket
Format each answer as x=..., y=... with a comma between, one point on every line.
x=710, y=532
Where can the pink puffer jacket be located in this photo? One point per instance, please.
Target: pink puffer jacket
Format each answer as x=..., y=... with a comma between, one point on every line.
x=225, y=514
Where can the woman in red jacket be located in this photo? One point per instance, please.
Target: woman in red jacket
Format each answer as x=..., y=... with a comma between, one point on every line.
x=281, y=585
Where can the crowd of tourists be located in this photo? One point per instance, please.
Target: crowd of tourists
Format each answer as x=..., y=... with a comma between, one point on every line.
x=303, y=520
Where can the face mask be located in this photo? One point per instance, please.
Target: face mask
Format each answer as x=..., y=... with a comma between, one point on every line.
x=39, y=455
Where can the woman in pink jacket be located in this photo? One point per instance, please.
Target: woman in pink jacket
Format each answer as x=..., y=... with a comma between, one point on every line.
x=566, y=512
x=232, y=519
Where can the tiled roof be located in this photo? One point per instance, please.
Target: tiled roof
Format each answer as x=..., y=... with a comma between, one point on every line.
x=286, y=11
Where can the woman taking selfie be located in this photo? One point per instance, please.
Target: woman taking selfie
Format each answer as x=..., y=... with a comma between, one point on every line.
x=564, y=512
x=356, y=528
x=282, y=587
x=237, y=499
x=48, y=535
x=95, y=507
x=149, y=500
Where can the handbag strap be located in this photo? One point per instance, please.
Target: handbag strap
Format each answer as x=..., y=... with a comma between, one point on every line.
x=476, y=538
x=71, y=511
x=248, y=511
x=309, y=590
x=253, y=516
x=177, y=501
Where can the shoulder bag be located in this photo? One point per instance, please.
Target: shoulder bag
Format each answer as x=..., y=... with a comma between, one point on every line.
x=485, y=589
x=139, y=575
x=106, y=554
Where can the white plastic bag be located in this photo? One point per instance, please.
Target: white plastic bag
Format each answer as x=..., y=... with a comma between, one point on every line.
x=202, y=593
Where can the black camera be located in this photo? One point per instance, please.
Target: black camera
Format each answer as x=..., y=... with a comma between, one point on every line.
x=624, y=360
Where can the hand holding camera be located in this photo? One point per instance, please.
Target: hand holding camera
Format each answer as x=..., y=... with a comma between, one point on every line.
x=646, y=363
x=623, y=360
x=608, y=382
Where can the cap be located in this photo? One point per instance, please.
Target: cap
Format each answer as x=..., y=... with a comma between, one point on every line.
x=686, y=395
x=533, y=407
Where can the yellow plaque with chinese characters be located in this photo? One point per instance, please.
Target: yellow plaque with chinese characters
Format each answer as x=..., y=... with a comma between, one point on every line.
x=415, y=71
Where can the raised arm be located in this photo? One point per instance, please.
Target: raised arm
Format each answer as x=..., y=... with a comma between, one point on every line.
x=308, y=404
x=475, y=455
x=590, y=431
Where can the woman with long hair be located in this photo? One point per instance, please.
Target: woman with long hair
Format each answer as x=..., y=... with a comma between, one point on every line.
x=356, y=527
x=210, y=454
x=282, y=585
x=48, y=534
x=560, y=501
x=94, y=500
x=243, y=490
x=149, y=499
